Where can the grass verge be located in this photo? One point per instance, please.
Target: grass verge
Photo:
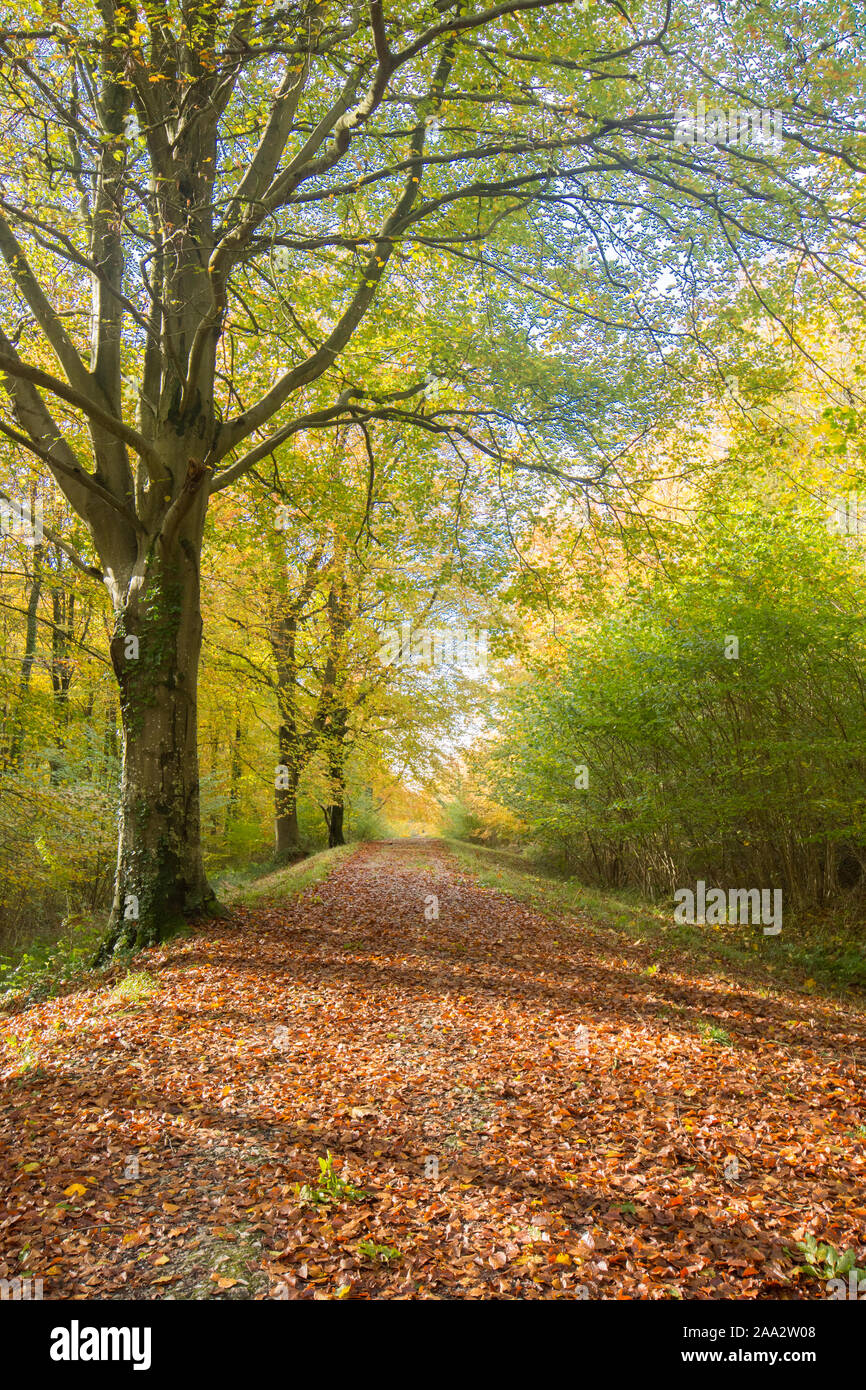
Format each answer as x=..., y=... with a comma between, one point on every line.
x=809, y=954
x=274, y=886
x=47, y=968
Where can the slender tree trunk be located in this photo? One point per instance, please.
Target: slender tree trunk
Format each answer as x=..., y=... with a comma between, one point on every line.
x=334, y=716
x=294, y=748
x=17, y=732
x=155, y=650
x=234, y=777
x=286, y=834
x=63, y=610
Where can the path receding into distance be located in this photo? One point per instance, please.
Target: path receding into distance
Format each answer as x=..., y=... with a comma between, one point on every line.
x=522, y=1108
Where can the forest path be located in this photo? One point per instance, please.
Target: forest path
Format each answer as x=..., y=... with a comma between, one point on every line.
x=153, y=1135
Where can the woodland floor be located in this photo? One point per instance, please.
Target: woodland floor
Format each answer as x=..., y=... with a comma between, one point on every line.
x=409, y=1040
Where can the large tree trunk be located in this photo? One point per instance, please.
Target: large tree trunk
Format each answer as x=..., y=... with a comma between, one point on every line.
x=286, y=833
x=109, y=743
x=336, y=812
x=336, y=762
x=294, y=748
x=160, y=873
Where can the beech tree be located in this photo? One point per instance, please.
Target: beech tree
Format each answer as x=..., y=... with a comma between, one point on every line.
x=370, y=531
x=166, y=165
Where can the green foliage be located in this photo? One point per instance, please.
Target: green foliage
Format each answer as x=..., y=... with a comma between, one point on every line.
x=58, y=848
x=712, y=1033
x=328, y=1187
x=368, y=823
x=135, y=987
x=459, y=822
x=243, y=838
x=379, y=1254
x=717, y=708
x=824, y=1262
x=45, y=968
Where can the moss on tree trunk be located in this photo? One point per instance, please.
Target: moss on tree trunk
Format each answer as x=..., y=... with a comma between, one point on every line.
x=160, y=879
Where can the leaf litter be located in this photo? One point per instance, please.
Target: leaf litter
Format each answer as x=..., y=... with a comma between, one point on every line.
x=337, y=1098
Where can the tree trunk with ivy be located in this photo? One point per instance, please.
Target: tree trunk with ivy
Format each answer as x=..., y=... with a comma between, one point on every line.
x=155, y=650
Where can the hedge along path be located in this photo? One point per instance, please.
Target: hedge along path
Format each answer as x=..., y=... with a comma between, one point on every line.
x=513, y=1107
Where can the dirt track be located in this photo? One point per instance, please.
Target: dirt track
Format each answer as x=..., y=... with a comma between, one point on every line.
x=503, y=1152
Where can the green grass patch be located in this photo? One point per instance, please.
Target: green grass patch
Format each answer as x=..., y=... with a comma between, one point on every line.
x=710, y=1032
x=274, y=886
x=811, y=952
x=135, y=987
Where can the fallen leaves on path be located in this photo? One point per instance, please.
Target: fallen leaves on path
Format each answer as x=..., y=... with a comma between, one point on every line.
x=512, y=1107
